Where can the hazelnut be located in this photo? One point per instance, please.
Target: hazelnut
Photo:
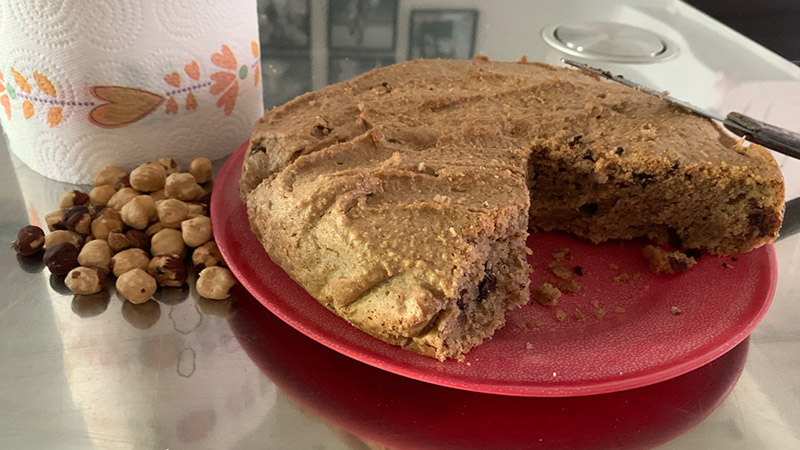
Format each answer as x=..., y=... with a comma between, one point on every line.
x=108, y=176
x=53, y=220
x=105, y=222
x=215, y=283
x=196, y=231
x=123, y=182
x=74, y=198
x=158, y=195
x=117, y=241
x=30, y=241
x=96, y=254
x=201, y=170
x=197, y=209
x=138, y=212
x=61, y=258
x=207, y=255
x=126, y=260
x=138, y=239
x=169, y=165
x=172, y=212
x=77, y=219
x=121, y=197
x=183, y=186
x=153, y=229
x=168, y=270
x=168, y=240
x=85, y=280
x=148, y=177
x=136, y=286
x=59, y=236
x=99, y=195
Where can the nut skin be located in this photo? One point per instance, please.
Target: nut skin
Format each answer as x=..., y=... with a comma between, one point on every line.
x=127, y=260
x=61, y=258
x=85, y=280
x=96, y=254
x=108, y=175
x=201, y=169
x=172, y=212
x=168, y=240
x=118, y=241
x=29, y=242
x=196, y=231
x=59, y=236
x=138, y=212
x=99, y=195
x=123, y=182
x=77, y=219
x=215, y=283
x=148, y=177
x=107, y=221
x=207, y=255
x=121, y=197
x=169, y=165
x=168, y=270
x=53, y=220
x=183, y=186
x=74, y=198
x=136, y=286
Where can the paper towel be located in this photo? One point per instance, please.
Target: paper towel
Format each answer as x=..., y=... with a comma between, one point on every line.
x=88, y=83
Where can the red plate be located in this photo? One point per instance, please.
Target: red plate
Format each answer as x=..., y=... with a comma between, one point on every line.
x=621, y=331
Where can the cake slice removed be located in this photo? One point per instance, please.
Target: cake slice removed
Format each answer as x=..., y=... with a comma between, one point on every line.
x=423, y=254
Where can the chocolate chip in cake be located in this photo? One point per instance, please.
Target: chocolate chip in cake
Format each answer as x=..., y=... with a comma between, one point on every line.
x=486, y=285
x=387, y=87
x=574, y=140
x=694, y=253
x=588, y=208
x=643, y=178
x=589, y=156
x=619, y=151
x=257, y=149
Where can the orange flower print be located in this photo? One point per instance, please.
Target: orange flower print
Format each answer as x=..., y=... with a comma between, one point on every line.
x=225, y=81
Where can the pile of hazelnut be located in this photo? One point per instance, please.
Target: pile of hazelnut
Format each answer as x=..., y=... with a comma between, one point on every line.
x=137, y=227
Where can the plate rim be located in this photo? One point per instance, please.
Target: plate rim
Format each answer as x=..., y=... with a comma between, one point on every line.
x=496, y=387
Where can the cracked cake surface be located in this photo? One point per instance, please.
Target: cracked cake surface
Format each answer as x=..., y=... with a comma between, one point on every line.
x=401, y=199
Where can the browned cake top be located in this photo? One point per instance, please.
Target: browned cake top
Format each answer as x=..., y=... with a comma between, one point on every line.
x=495, y=106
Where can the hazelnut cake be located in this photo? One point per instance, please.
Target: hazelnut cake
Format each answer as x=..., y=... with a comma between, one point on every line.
x=401, y=199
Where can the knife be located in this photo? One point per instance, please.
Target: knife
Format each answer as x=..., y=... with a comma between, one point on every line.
x=773, y=137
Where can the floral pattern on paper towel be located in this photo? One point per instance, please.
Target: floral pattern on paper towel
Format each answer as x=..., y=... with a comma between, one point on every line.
x=119, y=106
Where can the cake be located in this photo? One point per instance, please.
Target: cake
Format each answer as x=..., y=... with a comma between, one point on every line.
x=402, y=199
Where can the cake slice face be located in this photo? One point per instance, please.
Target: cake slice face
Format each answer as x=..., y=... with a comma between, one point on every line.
x=426, y=256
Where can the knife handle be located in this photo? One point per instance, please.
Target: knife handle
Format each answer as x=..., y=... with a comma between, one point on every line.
x=774, y=138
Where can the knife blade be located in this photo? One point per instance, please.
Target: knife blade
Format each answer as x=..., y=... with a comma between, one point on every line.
x=773, y=137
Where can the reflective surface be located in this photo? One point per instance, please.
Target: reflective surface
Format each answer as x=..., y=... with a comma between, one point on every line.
x=181, y=372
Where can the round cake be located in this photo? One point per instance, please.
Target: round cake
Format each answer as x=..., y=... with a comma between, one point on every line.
x=401, y=199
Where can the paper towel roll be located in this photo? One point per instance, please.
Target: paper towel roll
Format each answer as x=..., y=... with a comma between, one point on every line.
x=88, y=83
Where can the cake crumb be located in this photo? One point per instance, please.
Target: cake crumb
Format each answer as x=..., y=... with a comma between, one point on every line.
x=622, y=277
x=636, y=276
x=619, y=310
x=528, y=251
x=546, y=294
x=595, y=303
x=676, y=311
x=569, y=286
x=613, y=266
x=443, y=199
x=560, y=270
x=469, y=363
x=560, y=315
x=727, y=265
x=528, y=345
x=662, y=261
x=600, y=313
x=579, y=315
x=562, y=255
